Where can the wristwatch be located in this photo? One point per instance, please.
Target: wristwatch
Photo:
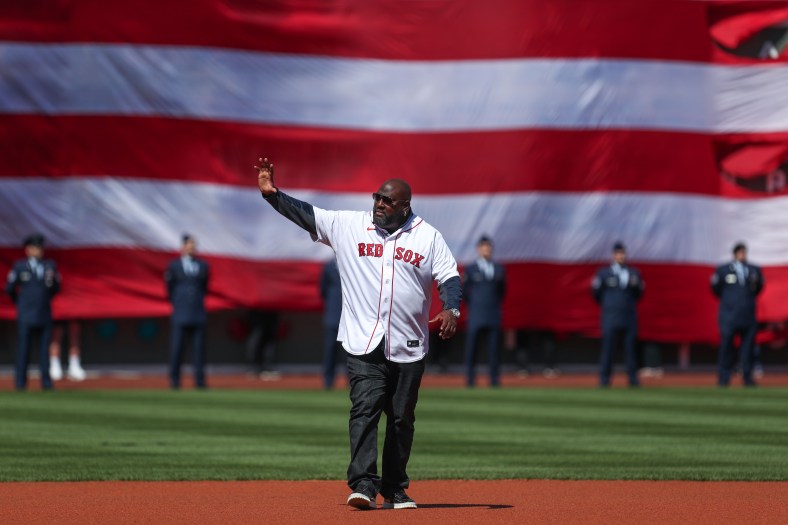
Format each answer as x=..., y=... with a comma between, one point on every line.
x=455, y=312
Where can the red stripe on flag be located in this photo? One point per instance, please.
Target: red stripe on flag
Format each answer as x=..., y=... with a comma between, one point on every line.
x=387, y=29
x=336, y=160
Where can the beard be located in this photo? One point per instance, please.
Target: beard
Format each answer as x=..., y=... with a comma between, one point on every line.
x=381, y=222
x=387, y=221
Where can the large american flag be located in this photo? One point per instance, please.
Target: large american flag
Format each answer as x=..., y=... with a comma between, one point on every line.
x=555, y=127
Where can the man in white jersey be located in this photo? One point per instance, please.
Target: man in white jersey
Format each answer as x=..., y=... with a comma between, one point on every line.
x=387, y=261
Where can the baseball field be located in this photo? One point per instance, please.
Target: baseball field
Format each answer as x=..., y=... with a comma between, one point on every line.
x=566, y=453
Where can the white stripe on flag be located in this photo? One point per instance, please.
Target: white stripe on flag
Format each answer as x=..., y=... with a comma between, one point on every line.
x=527, y=227
x=90, y=79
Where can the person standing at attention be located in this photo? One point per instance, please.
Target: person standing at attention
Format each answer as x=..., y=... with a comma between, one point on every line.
x=387, y=258
x=617, y=288
x=32, y=283
x=484, y=287
x=186, y=279
x=331, y=293
x=737, y=285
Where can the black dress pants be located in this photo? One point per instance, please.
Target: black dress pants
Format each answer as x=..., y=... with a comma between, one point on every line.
x=727, y=354
x=379, y=386
x=26, y=332
x=179, y=334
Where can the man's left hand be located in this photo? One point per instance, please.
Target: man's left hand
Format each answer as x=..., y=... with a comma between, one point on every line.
x=448, y=324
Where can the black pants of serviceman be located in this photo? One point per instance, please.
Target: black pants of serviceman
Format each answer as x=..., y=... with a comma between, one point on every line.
x=727, y=354
x=378, y=386
x=24, y=339
x=178, y=337
x=611, y=334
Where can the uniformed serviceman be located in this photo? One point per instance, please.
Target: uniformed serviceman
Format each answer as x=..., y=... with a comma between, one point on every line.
x=32, y=282
x=737, y=284
x=187, y=284
x=331, y=293
x=617, y=288
x=483, y=287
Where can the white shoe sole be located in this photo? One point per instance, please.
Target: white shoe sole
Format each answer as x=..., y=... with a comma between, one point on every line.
x=360, y=501
x=406, y=505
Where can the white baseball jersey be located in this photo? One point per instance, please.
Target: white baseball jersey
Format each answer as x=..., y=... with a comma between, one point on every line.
x=386, y=281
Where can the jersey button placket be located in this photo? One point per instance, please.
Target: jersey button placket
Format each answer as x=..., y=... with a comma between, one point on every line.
x=388, y=276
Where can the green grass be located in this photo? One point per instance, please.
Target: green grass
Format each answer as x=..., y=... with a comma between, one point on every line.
x=690, y=434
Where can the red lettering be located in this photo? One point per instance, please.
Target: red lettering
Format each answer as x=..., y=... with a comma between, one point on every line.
x=370, y=250
x=409, y=256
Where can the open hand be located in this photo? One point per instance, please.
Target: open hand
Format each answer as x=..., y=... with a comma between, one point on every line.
x=265, y=176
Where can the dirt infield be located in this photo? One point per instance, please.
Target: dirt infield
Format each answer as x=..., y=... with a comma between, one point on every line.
x=133, y=381
x=322, y=502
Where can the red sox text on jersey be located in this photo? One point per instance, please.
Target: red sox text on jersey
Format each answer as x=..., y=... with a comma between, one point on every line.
x=400, y=254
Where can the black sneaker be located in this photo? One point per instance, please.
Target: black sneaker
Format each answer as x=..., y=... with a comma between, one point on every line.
x=361, y=500
x=398, y=500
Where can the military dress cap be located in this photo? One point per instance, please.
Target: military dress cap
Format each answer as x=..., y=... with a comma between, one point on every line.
x=739, y=246
x=34, y=240
x=619, y=247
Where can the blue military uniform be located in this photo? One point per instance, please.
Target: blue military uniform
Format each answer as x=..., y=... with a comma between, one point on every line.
x=484, y=288
x=737, y=287
x=187, y=285
x=617, y=288
x=331, y=293
x=32, y=284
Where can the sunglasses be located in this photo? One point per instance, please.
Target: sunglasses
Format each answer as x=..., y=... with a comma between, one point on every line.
x=388, y=201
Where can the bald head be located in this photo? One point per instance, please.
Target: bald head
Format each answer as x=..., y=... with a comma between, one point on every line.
x=397, y=189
